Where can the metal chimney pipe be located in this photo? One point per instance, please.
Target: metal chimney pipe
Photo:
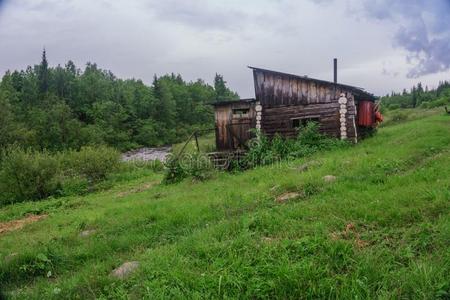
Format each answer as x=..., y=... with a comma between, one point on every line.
x=335, y=70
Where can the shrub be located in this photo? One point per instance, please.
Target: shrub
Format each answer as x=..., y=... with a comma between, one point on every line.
x=27, y=175
x=197, y=165
x=174, y=171
x=93, y=163
x=399, y=116
x=439, y=102
x=32, y=175
x=260, y=151
x=265, y=151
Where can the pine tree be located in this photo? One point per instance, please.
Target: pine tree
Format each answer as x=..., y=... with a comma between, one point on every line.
x=43, y=75
x=220, y=87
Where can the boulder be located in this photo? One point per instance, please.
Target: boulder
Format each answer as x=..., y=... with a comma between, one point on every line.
x=125, y=269
x=287, y=196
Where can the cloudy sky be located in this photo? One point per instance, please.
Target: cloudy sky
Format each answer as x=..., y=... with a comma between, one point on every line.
x=382, y=45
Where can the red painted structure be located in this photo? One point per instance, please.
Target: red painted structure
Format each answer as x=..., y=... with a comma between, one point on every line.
x=366, y=114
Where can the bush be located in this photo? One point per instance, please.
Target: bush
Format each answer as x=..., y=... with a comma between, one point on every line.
x=265, y=151
x=32, y=175
x=397, y=117
x=93, y=163
x=439, y=102
x=197, y=165
x=27, y=175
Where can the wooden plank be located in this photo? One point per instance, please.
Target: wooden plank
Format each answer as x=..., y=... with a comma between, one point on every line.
x=305, y=92
x=259, y=90
x=285, y=88
x=312, y=90
x=278, y=97
x=270, y=89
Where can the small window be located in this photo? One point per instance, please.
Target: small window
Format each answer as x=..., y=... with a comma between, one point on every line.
x=301, y=122
x=240, y=112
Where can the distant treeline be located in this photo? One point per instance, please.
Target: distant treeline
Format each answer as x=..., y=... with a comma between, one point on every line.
x=67, y=108
x=418, y=96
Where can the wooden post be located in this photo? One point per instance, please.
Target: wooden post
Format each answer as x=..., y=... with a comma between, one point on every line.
x=196, y=141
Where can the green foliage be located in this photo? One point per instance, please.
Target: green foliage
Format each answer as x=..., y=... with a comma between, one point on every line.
x=418, y=97
x=397, y=117
x=195, y=165
x=380, y=231
x=265, y=151
x=34, y=175
x=221, y=90
x=66, y=108
x=93, y=163
x=27, y=175
x=175, y=172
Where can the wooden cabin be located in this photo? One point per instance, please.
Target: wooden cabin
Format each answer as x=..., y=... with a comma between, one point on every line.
x=234, y=123
x=284, y=102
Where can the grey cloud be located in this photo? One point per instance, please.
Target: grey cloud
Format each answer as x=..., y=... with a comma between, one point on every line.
x=424, y=31
x=200, y=14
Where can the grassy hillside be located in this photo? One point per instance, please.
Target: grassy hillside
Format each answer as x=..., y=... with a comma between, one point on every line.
x=380, y=230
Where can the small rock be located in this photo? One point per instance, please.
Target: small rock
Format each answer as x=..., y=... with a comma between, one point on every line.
x=125, y=269
x=287, y=196
x=87, y=232
x=329, y=178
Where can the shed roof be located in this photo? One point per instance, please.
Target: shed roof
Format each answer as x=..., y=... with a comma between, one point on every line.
x=356, y=90
x=228, y=102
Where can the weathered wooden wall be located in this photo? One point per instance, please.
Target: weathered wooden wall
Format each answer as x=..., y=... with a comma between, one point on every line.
x=222, y=115
x=277, y=89
x=286, y=97
x=233, y=131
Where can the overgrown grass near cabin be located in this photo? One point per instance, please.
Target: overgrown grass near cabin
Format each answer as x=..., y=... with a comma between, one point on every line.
x=206, y=143
x=380, y=230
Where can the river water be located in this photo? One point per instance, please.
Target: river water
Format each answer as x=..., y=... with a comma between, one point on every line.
x=147, y=154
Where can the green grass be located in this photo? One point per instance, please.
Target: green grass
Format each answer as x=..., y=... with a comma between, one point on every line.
x=206, y=143
x=229, y=238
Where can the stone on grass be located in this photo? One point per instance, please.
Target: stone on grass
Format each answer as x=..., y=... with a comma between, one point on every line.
x=125, y=269
x=287, y=196
x=86, y=233
x=329, y=178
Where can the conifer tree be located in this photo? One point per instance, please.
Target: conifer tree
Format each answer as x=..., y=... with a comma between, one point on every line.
x=43, y=75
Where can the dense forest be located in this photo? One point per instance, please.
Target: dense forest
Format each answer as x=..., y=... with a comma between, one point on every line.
x=418, y=96
x=66, y=108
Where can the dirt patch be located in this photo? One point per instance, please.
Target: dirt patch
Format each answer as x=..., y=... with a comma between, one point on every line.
x=138, y=189
x=18, y=224
x=350, y=233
